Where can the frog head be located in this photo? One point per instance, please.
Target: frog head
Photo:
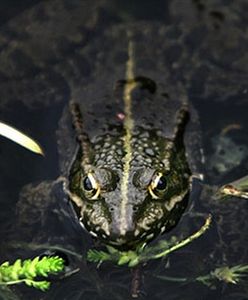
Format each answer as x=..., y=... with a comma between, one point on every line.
x=127, y=198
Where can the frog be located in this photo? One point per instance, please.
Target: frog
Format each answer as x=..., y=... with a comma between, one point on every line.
x=131, y=162
x=130, y=178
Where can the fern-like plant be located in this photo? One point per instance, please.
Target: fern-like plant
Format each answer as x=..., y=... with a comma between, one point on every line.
x=28, y=270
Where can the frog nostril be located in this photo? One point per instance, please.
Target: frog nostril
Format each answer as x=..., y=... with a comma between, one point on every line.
x=111, y=209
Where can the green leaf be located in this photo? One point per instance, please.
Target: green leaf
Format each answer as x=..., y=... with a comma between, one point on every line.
x=15, y=269
x=123, y=260
x=41, y=285
x=134, y=262
x=97, y=256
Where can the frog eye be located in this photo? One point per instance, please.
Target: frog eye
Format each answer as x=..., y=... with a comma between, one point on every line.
x=158, y=185
x=91, y=187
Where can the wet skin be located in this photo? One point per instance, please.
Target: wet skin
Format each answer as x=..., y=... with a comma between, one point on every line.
x=130, y=179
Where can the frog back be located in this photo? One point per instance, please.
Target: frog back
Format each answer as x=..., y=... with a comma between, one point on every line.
x=156, y=100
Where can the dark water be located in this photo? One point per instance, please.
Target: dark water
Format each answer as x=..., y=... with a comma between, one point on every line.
x=218, y=89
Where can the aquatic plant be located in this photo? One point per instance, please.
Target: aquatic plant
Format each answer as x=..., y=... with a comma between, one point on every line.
x=227, y=274
x=144, y=253
x=27, y=271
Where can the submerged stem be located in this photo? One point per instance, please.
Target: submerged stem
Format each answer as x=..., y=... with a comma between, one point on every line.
x=185, y=241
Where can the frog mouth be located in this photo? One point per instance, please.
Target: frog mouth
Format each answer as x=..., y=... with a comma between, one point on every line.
x=130, y=241
x=118, y=242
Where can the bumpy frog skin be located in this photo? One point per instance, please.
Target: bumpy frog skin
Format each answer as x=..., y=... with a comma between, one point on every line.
x=130, y=179
x=132, y=186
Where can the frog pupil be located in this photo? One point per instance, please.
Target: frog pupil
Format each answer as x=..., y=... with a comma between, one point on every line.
x=161, y=185
x=87, y=184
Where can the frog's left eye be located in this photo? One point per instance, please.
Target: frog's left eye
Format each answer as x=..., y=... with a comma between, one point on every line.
x=158, y=185
x=91, y=187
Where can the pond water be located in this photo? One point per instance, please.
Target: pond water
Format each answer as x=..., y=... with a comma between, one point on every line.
x=40, y=43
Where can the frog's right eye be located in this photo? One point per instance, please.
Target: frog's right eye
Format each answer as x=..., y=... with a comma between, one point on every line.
x=91, y=187
x=157, y=185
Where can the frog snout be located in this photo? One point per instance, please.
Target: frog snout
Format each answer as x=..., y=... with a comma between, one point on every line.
x=123, y=240
x=117, y=233
x=122, y=230
x=123, y=225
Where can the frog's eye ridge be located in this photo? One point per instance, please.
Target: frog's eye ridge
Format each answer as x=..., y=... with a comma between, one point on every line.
x=157, y=185
x=91, y=187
